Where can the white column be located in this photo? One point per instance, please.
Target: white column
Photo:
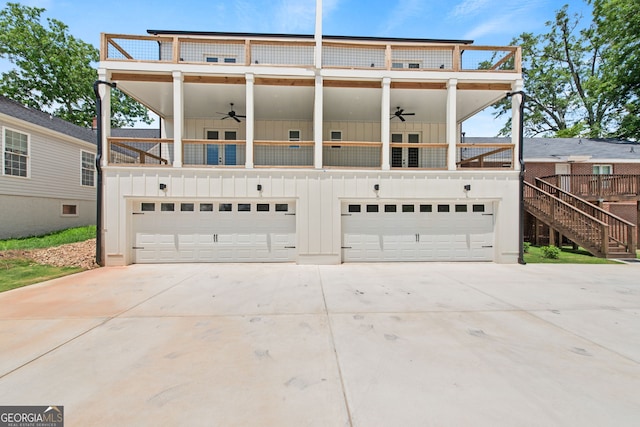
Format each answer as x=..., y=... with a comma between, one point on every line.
x=516, y=101
x=451, y=125
x=178, y=118
x=318, y=123
x=385, y=127
x=249, y=122
x=318, y=34
x=105, y=96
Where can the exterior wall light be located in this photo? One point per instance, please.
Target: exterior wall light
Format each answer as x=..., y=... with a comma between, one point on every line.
x=163, y=187
x=259, y=187
x=467, y=187
x=376, y=187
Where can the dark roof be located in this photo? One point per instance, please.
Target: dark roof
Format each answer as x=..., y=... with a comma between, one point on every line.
x=561, y=149
x=45, y=120
x=135, y=133
x=305, y=36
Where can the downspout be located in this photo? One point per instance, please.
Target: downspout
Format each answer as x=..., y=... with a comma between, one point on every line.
x=99, y=255
x=522, y=171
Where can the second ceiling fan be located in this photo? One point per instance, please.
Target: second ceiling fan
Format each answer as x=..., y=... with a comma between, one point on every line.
x=399, y=113
x=232, y=114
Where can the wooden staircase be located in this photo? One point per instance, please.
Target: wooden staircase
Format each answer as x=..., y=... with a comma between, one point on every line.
x=601, y=233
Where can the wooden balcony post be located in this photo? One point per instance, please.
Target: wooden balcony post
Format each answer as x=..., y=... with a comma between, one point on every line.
x=451, y=123
x=605, y=240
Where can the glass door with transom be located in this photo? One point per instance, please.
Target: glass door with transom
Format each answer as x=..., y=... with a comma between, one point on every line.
x=221, y=154
x=405, y=157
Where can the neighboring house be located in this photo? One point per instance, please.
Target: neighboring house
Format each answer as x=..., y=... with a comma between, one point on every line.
x=577, y=160
x=604, y=172
x=316, y=150
x=48, y=179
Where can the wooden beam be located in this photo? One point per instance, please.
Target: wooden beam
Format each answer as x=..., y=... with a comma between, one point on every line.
x=419, y=85
x=353, y=84
x=215, y=80
x=132, y=77
x=284, y=82
x=484, y=86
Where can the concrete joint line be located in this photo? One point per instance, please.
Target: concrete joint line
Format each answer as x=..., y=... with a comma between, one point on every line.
x=335, y=350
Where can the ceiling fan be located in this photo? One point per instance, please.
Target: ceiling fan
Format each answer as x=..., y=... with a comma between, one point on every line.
x=232, y=114
x=400, y=113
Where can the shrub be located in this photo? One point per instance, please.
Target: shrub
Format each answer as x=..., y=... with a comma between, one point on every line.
x=525, y=247
x=551, y=252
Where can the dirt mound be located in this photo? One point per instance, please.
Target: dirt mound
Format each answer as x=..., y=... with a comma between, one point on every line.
x=81, y=254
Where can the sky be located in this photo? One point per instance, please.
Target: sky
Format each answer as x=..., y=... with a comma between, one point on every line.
x=486, y=22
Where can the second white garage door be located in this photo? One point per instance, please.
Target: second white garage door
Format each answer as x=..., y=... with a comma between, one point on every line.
x=395, y=231
x=214, y=232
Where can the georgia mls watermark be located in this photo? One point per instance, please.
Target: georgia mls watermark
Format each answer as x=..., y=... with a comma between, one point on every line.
x=31, y=416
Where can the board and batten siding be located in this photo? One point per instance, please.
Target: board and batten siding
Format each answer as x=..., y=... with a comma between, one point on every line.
x=278, y=130
x=318, y=196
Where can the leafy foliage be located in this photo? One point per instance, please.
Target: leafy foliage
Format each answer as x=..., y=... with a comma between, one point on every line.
x=53, y=70
x=562, y=79
x=617, y=24
x=551, y=252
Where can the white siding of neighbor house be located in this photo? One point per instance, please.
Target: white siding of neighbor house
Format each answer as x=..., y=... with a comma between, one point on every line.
x=54, y=175
x=34, y=216
x=318, y=196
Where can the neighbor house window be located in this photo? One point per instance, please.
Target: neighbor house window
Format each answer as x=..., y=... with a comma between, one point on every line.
x=69, y=210
x=88, y=169
x=602, y=169
x=16, y=153
x=336, y=135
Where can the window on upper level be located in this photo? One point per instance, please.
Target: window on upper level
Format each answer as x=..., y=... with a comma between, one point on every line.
x=15, y=150
x=219, y=58
x=336, y=135
x=88, y=168
x=405, y=64
x=294, y=135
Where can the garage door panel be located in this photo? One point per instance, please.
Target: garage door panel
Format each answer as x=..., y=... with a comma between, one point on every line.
x=401, y=231
x=217, y=232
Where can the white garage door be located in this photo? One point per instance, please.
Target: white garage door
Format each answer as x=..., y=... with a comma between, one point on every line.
x=396, y=231
x=214, y=232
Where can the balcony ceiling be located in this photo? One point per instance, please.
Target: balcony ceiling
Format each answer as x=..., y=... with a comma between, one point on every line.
x=296, y=102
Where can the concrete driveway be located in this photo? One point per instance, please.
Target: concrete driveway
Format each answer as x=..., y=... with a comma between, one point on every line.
x=424, y=344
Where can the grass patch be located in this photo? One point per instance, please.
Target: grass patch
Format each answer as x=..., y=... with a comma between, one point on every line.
x=71, y=235
x=19, y=272
x=568, y=255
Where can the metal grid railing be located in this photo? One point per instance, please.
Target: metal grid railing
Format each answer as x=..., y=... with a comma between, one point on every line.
x=228, y=153
x=352, y=156
x=485, y=155
x=422, y=58
x=282, y=54
x=354, y=57
x=283, y=155
x=488, y=59
x=139, y=49
x=212, y=52
x=140, y=151
x=423, y=157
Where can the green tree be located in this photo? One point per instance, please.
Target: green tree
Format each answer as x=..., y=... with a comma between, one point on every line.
x=618, y=29
x=562, y=80
x=53, y=70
